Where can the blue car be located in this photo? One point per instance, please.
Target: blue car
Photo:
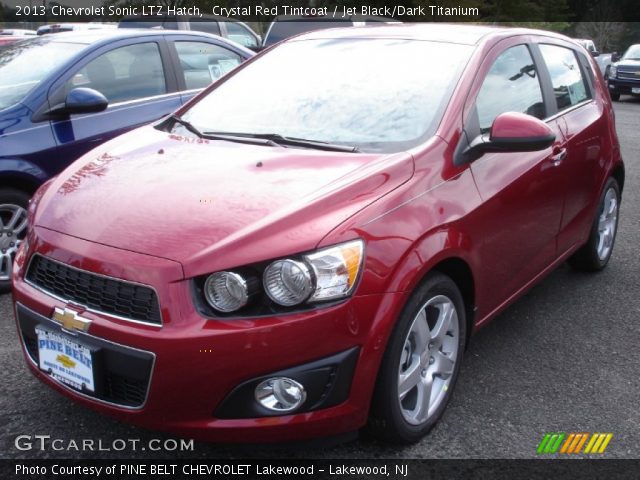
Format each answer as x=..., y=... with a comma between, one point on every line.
x=62, y=95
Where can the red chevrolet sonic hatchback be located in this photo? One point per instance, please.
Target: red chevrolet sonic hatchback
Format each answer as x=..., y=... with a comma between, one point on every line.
x=310, y=257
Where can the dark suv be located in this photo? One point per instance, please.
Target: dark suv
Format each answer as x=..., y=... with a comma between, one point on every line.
x=624, y=75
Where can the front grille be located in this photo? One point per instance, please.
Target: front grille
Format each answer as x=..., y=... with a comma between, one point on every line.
x=628, y=76
x=107, y=295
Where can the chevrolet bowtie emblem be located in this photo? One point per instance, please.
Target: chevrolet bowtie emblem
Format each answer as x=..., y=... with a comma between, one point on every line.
x=66, y=361
x=70, y=320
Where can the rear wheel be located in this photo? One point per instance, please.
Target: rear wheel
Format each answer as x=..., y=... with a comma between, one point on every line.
x=13, y=229
x=421, y=364
x=595, y=254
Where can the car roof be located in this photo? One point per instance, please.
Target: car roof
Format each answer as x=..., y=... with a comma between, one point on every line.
x=330, y=18
x=436, y=32
x=90, y=37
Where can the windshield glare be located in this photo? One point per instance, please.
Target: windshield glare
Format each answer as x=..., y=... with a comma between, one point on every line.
x=25, y=64
x=378, y=95
x=633, y=53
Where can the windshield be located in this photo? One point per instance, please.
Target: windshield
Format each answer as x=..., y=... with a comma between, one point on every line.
x=24, y=65
x=633, y=53
x=377, y=95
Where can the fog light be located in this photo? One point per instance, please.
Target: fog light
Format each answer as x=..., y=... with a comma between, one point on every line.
x=280, y=394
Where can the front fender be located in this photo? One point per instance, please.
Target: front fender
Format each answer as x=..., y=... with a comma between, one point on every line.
x=17, y=172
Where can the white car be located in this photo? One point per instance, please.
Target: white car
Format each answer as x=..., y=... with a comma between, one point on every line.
x=17, y=32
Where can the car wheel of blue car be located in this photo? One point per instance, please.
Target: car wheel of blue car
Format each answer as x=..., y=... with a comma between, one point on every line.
x=13, y=229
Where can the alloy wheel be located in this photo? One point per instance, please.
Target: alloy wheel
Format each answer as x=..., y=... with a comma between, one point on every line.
x=13, y=229
x=428, y=359
x=607, y=224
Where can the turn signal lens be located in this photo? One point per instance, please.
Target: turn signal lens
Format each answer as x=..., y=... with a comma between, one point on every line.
x=336, y=270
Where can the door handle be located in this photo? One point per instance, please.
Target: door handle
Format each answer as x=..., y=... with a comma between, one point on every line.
x=558, y=156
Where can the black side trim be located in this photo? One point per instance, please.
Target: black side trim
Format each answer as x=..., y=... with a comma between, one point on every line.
x=327, y=382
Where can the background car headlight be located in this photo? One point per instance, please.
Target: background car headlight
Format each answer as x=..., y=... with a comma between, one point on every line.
x=336, y=270
x=613, y=71
x=288, y=282
x=226, y=291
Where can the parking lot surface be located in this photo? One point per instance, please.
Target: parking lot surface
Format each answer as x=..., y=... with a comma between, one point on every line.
x=564, y=358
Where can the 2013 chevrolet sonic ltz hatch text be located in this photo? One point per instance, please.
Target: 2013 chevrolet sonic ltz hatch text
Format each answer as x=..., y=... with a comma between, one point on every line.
x=310, y=257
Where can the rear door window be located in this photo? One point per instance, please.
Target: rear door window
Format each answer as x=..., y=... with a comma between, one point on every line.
x=569, y=85
x=240, y=34
x=203, y=63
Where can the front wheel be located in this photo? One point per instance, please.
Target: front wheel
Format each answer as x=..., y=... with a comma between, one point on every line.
x=13, y=229
x=421, y=363
x=615, y=96
x=595, y=254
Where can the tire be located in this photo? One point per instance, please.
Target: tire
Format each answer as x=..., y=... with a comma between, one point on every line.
x=13, y=229
x=398, y=414
x=594, y=255
x=615, y=96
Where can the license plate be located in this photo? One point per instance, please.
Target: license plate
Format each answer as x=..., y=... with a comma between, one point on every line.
x=65, y=359
x=635, y=90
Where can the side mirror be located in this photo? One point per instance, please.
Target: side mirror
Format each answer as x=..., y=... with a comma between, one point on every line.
x=615, y=57
x=81, y=100
x=512, y=132
x=595, y=53
x=85, y=100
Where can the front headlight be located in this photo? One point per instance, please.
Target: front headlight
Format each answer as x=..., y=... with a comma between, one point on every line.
x=288, y=282
x=335, y=270
x=613, y=71
x=327, y=274
x=226, y=291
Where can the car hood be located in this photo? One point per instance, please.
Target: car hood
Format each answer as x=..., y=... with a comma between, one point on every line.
x=213, y=204
x=633, y=64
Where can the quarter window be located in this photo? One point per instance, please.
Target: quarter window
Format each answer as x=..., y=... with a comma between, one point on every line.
x=569, y=85
x=512, y=85
x=203, y=63
x=126, y=73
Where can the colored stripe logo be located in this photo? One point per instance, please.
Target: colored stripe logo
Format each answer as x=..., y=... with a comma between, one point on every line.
x=573, y=443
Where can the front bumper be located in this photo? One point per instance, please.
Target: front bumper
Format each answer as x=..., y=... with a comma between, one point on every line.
x=623, y=86
x=198, y=362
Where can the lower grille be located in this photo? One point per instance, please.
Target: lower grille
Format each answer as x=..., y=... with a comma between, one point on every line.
x=125, y=390
x=122, y=374
x=103, y=294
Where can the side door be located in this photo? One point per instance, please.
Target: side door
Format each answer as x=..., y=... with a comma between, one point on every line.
x=583, y=122
x=522, y=193
x=137, y=80
x=200, y=62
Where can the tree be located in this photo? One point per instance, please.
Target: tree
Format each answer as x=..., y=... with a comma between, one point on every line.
x=601, y=26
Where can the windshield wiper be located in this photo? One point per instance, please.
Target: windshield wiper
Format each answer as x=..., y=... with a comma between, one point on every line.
x=186, y=125
x=291, y=141
x=230, y=137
